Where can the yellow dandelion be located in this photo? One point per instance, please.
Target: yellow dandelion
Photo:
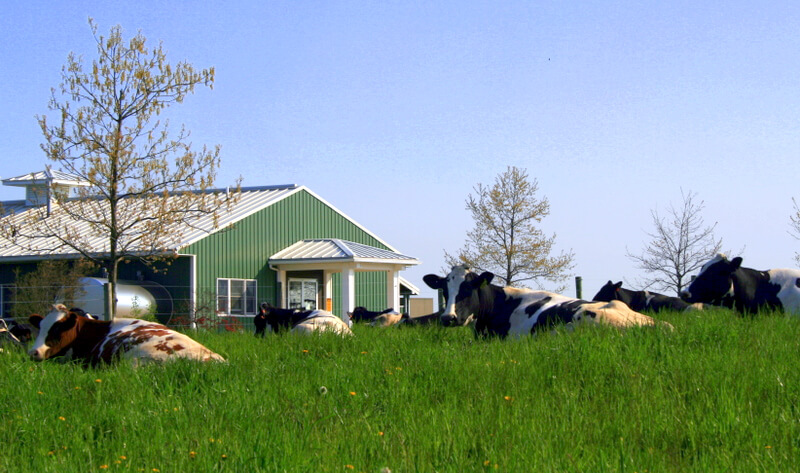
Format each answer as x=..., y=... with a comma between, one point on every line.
x=103, y=467
x=363, y=353
x=175, y=409
x=51, y=452
x=77, y=387
x=224, y=457
x=352, y=393
x=305, y=351
x=156, y=470
x=61, y=418
x=768, y=446
x=39, y=392
x=117, y=462
x=123, y=457
x=508, y=398
x=380, y=433
x=192, y=454
x=350, y=467
x=211, y=440
x=98, y=380
x=486, y=463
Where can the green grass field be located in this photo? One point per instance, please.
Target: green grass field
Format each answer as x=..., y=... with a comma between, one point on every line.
x=720, y=393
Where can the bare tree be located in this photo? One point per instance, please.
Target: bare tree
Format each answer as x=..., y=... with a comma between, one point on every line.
x=144, y=187
x=505, y=239
x=795, y=226
x=680, y=244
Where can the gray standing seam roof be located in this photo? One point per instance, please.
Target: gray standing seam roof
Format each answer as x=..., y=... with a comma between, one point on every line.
x=251, y=200
x=333, y=249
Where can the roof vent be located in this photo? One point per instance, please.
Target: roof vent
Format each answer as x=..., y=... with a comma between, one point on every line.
x=39, y=185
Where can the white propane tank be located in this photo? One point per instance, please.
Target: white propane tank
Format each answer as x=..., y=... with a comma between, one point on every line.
x=134, y=298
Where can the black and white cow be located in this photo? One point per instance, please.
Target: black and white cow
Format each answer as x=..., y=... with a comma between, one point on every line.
x=300, y=321
x=383, y=318
x=22, y=332
x=8, y=337
x=643, y=300
x=725, y=282
x=503, y=311
x=430, y=319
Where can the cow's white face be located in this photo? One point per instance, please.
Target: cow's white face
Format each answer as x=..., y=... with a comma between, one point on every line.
x=460, y=288
x=54, y=333
x=714, y=282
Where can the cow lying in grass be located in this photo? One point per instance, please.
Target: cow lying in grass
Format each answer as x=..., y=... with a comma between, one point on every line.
x=643, y=300
x=727, y=283
x=384, y=318
x=298, y=321
x=503, y=311
x=63, y=333
x=8, y=338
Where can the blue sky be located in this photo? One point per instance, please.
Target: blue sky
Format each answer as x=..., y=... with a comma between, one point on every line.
x=393, y=111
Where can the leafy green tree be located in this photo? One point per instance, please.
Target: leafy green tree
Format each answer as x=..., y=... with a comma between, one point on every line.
x=107, y=132
x=505, y=238
x=50, y=282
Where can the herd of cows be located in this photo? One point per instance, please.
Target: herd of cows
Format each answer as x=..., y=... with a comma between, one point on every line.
x=470, y=298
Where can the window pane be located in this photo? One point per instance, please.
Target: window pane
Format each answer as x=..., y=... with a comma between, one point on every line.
x=222, y=295
x=250, y=297
x=310, y=295
x=237, y=297
x=295, y=294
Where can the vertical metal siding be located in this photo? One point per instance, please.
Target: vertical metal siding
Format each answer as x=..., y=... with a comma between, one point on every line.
x=243, y=250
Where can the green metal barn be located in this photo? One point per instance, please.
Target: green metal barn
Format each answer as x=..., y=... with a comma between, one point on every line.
x=280, y=244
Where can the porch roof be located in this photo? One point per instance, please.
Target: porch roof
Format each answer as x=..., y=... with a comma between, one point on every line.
x=333, y=250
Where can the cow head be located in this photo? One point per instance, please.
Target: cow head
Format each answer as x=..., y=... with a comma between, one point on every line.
x=460, y=289
x=609, y=292
x=57, y=332
x=359, y=314
x=714, y=283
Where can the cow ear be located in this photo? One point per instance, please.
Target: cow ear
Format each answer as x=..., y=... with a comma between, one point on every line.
x=485, y=278
x=35, y=320
x=617, y=285
x=736, y=263
x=433, y=281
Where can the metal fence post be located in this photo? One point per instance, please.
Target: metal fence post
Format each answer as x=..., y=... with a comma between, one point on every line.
x=578, y=287
x=107, y=303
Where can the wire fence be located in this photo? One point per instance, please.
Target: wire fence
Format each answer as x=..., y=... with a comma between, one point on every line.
x=177, y=306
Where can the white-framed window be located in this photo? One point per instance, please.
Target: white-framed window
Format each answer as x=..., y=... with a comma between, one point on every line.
x=302, y=294
x=236, y=296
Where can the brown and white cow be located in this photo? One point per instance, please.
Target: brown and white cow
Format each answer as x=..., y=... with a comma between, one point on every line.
x=63, y=333
x=503, y=311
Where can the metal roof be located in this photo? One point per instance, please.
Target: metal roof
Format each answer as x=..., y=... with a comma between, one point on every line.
x=405, y=282
x=46, y=176
x=251, y=200
x=332, y=249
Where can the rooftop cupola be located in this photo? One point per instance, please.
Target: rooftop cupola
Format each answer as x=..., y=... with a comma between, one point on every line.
x=41, y=186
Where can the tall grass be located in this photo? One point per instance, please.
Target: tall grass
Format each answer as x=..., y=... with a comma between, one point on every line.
x=720, y=393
